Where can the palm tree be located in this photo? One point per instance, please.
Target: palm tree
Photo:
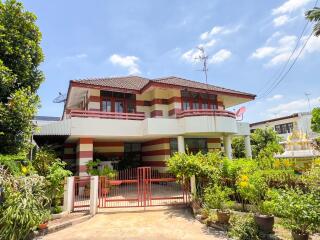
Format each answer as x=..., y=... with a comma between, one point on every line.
x=313, y=15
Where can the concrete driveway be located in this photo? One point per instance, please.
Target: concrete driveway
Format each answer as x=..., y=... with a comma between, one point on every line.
x=168, y=224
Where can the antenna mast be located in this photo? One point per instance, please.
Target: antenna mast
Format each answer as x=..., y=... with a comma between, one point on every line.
x=307, y=95
x=204, y=58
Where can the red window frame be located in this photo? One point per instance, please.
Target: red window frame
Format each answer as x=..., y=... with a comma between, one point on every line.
x=200, y=101
x=113, y=100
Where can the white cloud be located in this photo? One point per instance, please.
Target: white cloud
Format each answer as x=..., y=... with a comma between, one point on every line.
x=219, y=30
x=313, y=45
x=290, y=6
x=208, y=44
x=275, y=97
x=280, y=58
x=281, y=20
x=128, y=62
x=294, y=106
x=220, y=56
x=192, y=55
x=263, y=52
x=278, y=53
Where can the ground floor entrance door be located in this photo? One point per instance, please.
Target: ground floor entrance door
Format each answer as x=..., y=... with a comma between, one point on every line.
x=142, y=187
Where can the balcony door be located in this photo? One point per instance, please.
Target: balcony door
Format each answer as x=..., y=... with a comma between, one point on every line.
x=117, y=102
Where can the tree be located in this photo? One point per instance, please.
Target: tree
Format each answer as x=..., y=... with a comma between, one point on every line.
x=313, y=15
x=265, y=141
x=315, y=126
x=20, y=77
x=238, y=147
x=315, y=120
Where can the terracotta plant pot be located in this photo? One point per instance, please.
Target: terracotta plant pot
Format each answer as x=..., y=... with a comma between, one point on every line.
x=265, y=222
x=43, y=226
x=223, y=217
x=299, y=236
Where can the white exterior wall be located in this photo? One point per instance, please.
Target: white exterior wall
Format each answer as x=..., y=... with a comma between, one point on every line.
x=301, y=123
x=152, y=127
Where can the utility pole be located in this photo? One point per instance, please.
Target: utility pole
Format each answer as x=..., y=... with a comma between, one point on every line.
x=307, y=95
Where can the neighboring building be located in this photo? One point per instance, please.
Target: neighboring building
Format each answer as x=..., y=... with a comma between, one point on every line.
x=284, y=126
x=297, y=137
x=135, y=119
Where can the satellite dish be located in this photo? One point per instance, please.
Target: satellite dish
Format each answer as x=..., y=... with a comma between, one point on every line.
x=239, y=113
x=61, y=98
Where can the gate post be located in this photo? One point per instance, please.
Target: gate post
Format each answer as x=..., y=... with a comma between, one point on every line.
x=68, y=194
x=193, y=185
x=94, y=182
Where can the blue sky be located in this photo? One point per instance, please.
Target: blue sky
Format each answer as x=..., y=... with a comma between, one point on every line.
x=247, y=42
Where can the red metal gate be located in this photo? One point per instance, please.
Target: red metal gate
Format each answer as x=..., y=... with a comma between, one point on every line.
x=81, y=193
x=141, y=187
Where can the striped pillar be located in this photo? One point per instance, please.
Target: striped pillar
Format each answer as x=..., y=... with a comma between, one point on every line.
x=84, y=155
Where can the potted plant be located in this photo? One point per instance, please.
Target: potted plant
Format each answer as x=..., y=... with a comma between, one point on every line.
x=253, y=188
x=299, y=211
x=217, y=197
x=45, y=219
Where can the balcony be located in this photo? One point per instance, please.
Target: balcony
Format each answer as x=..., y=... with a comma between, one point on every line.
x=106, y=115
x=205, y=112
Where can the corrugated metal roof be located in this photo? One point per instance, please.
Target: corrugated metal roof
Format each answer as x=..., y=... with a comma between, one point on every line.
x=46, y=118
x=60, y=128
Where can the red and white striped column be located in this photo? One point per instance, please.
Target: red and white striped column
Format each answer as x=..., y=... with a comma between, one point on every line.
x=84, y=155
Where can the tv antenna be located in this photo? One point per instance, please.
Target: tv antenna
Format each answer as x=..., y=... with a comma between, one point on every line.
x=203, y=57
x=307, y=96
x=61, y=98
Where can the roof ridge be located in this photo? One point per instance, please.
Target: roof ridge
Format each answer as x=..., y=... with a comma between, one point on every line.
x=105, y=78
x=229, y=89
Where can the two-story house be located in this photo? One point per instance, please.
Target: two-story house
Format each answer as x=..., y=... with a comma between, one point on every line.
x=129, y=120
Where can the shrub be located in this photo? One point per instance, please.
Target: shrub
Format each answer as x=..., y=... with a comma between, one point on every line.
x=93, y=169
x=253, y=189
x=243, y=228
x=217, y=197
x=300, y=212
x=311, y=178
x=44, y=158
x=55, y=181
x=24, y=206
x=14, y=163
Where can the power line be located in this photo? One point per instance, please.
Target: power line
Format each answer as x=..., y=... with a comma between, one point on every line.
x=270, y=89
x=289, y=69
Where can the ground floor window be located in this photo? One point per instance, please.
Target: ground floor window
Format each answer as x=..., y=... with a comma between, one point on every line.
x=131, y=157
x=192, y=145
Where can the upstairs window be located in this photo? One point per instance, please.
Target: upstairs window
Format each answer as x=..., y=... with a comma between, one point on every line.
x=118, y=102
x=193, y=100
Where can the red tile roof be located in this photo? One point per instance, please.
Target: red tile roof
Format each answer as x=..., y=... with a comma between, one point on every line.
x=138, y=83
x=130, y=82
x=193, y=84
